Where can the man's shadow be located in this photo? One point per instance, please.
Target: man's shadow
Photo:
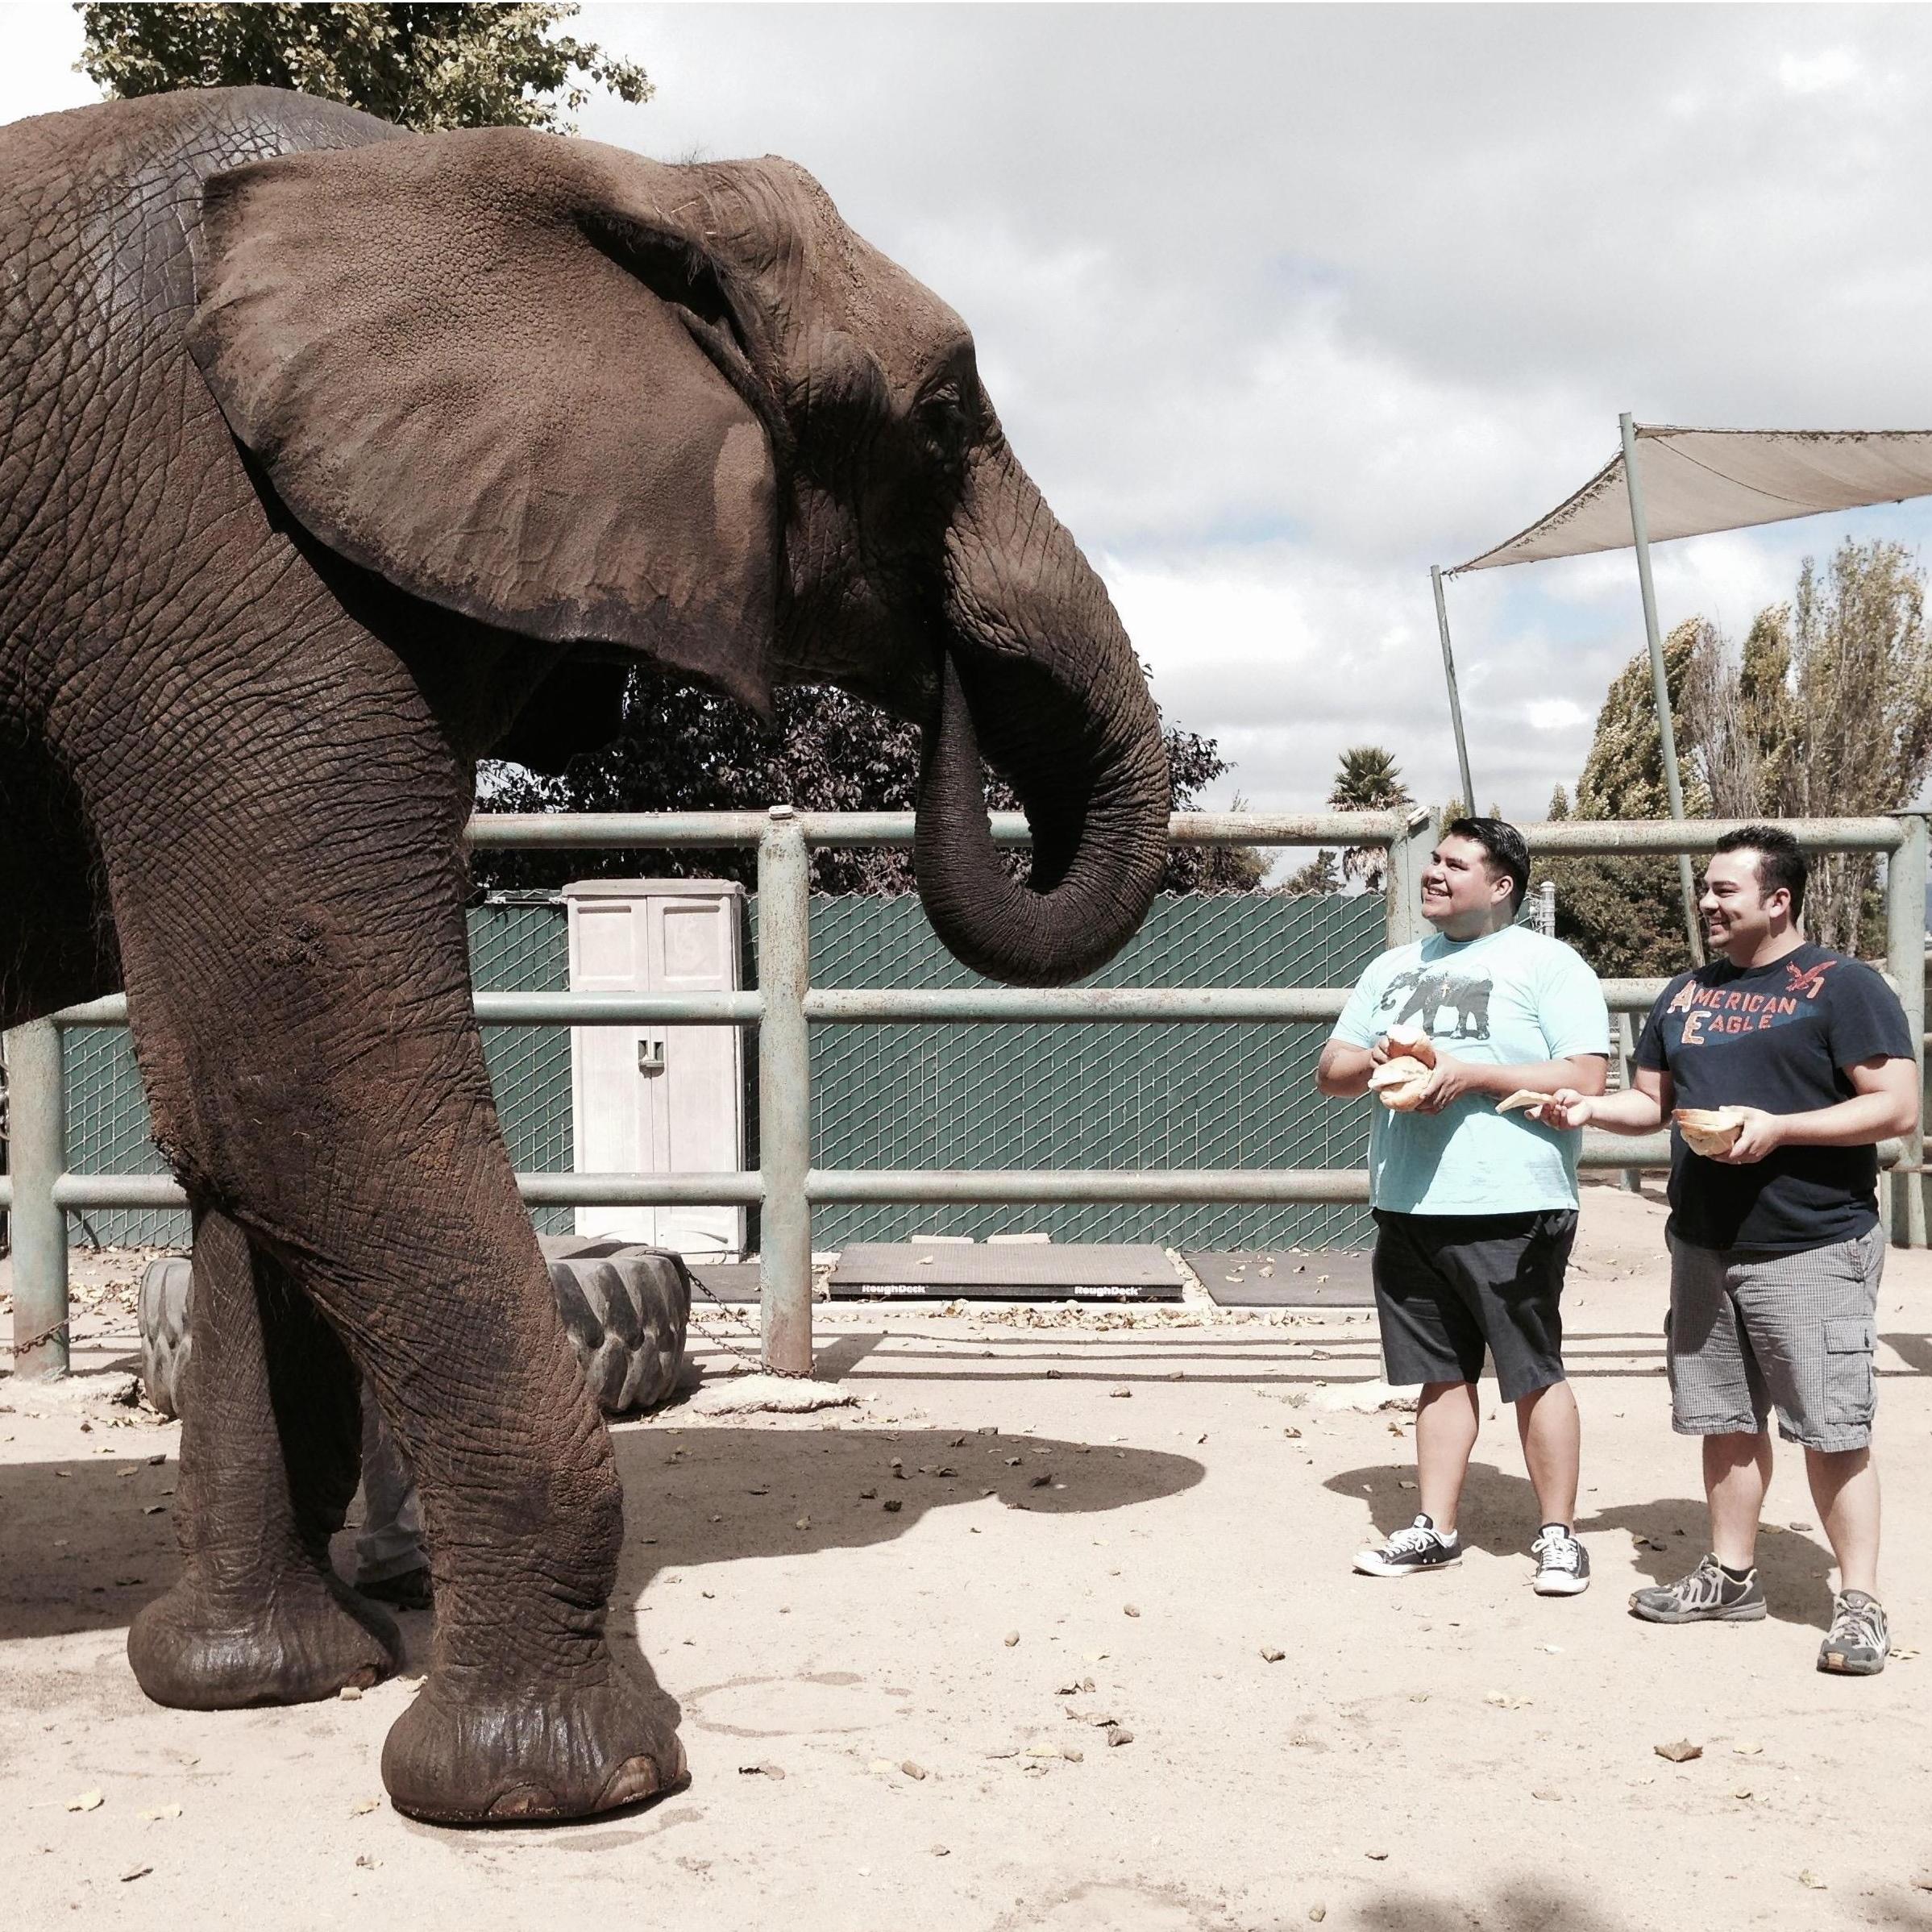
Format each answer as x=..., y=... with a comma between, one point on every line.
x=1498, y=1515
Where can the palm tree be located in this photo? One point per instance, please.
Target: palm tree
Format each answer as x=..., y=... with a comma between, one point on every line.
x=1367, y=780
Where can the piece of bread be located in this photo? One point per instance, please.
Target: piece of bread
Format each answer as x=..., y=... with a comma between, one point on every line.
x=1401, y=1084
x=1523, y=1096
x=1410, y=1043
x=1710, y=1130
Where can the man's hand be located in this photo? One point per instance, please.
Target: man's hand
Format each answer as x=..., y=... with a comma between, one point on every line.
x=1762, y=1134
x=1565, y=1108
x=1451, y=1079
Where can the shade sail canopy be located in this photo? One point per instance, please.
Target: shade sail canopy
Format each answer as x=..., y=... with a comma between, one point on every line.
x=1698, y=481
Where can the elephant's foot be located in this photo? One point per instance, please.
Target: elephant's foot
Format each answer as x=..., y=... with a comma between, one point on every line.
x=508, y=1755
x=307, y=1637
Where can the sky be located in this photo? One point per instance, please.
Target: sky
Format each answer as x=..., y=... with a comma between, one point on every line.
x=1280, y=306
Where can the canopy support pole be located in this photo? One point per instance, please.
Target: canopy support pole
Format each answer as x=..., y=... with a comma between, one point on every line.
x=1448, y=672
x=1673, y=783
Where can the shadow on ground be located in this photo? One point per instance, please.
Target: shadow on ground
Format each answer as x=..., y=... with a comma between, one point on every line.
x=79, y=1551
x=1499, y=1513
x=1527, y=1907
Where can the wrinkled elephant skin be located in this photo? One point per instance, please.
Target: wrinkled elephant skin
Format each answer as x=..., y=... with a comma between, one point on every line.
x=331, y=457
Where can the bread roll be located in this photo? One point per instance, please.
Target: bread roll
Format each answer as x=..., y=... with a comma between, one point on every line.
x=1401, y=1084
x=1410, y=1043
x=1710, y=1130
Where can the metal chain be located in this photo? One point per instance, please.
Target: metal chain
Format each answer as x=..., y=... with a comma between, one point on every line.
x=34, y=1341
x=756, y=1363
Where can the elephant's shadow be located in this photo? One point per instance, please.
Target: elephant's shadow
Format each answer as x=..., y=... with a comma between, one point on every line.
x=79, y=1553
x=1498, y=1516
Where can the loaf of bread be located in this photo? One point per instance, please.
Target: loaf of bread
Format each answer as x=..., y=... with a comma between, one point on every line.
x=1401, y=1084
x=1710, y=1130
x=1410, y=1043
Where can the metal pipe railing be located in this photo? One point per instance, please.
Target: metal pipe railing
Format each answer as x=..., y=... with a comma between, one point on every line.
x=40, y=1193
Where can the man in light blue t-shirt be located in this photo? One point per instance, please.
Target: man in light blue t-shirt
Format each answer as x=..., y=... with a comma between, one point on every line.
x=1476, y=1210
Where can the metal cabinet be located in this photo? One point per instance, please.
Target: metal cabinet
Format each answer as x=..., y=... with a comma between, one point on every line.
x=658, y=1099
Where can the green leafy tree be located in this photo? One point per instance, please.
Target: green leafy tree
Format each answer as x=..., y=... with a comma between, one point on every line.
x=1367, y=779
x=1320, y=874
x=1826, y=711
x=424, y=67
x=1626, y=914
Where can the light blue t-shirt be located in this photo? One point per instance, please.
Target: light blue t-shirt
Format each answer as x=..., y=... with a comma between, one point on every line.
x=1508, y=999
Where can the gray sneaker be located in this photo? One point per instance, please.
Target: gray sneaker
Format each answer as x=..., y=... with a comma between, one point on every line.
x=1706, y=1596
x=1859, y=1642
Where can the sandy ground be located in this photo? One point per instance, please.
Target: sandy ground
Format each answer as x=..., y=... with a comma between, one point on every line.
x=893, y=1716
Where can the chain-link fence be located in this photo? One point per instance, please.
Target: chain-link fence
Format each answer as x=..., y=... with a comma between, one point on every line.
x=1195, y=1095
x=1191, y=1095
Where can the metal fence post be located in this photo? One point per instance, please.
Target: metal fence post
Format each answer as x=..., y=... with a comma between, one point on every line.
x=784, y=1087
x=1905, y=961
x=1407, y=853
x=37, y=1112
x=1631, y=1179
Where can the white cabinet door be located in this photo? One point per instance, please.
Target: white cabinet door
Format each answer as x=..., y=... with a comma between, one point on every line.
x=697, y=1116
x=657, y=1099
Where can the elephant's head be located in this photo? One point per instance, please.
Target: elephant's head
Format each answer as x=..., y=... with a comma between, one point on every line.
x=684, y=411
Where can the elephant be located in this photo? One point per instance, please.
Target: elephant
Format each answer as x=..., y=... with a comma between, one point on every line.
x=333, y=457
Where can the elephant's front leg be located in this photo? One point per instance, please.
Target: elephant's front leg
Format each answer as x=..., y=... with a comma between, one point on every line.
x=304, y=1023
x=269, y=1456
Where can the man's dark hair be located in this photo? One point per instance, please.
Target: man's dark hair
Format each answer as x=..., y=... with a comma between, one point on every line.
x=1780, y=862
x=1502, y=845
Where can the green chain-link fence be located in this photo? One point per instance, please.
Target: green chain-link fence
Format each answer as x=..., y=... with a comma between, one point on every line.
x=941, y=1096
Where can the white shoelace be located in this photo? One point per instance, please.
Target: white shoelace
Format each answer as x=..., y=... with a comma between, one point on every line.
x=1559, y=1551
x=1417, y=1536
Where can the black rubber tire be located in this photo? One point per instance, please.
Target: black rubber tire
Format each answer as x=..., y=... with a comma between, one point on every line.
x=625, y=1308
x=165, y=1339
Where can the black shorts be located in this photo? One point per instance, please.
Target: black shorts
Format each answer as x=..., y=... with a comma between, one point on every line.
x=1446, y=1287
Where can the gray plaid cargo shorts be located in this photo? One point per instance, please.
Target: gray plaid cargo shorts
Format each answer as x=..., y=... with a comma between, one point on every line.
x=1750, y=1332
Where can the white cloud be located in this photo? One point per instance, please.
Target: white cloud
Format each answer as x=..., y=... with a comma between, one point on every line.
x=1554, y=714
x=1817, y=73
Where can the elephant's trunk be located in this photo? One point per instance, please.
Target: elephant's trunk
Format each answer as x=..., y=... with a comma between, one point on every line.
x=1039, y=675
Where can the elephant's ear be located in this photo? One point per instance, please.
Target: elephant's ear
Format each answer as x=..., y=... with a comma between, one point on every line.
x=481, y=365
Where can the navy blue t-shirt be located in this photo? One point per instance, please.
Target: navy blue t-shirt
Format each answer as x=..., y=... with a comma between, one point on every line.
x=1777, y=1036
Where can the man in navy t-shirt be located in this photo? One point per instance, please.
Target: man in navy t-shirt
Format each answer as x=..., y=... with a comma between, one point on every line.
x=1775, y=1245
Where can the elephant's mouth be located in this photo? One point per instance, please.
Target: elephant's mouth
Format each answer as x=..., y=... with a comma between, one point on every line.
x=1093, y=784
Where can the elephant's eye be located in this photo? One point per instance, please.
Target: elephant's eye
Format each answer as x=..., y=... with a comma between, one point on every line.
x=943, y=424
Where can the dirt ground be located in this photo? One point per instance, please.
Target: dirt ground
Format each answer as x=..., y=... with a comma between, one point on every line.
x=895, y=1717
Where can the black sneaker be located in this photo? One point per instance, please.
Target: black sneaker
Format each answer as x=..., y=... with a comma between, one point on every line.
x=1858, y=1643
x=1707, y=1595
x=1563, y=1565
x=1411, y=1552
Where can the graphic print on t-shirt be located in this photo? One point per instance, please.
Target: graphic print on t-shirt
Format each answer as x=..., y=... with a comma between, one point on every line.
x=1422, y=996
x=1719, y=1012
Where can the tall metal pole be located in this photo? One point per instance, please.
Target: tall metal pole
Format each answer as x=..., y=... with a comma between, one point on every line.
x=37, y=1112
x=1448, y=672
x=784, y=1093
x=1672, y=782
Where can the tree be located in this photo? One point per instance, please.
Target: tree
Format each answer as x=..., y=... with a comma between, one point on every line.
x=1320, y=874
x=1368, y=780
x=1824, y=712
x=1626, y=914
x=424, y=67
x=1859, y=721
x=685, y=748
